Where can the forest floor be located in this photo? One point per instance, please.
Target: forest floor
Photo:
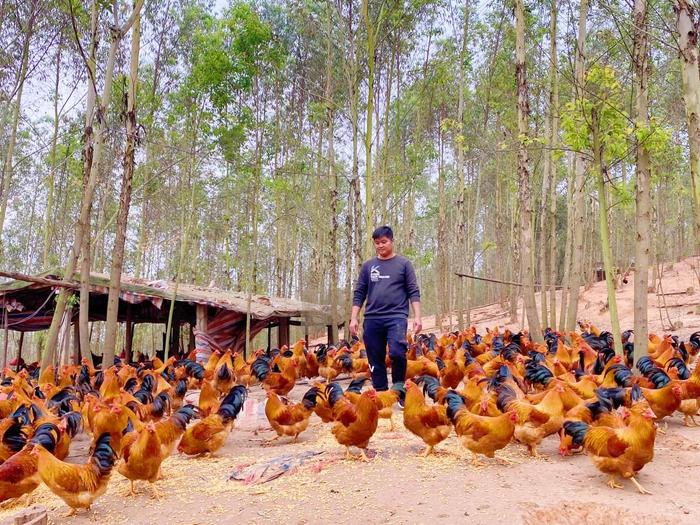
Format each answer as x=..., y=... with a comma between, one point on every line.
x=397, y=486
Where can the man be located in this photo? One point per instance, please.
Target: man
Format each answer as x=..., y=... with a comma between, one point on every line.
x=388, y=283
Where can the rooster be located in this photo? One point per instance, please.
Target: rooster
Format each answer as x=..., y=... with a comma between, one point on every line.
x=78, y=485
x=480, y=434
x=430, y=423
x=286, y=418
x=209, y=434
x=355, y=423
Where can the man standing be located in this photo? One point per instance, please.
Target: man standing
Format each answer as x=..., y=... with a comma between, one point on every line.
x=388, y=283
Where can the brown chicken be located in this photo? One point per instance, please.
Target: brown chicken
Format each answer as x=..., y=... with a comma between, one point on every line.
x=287, y=418
x=534, y=421
x=223, y=379
x=355, y=424
x=209, y=434
x=480, y=434
x=78, y=485
x=171, y=429
x=141, y=458
x=430, y=423
x=19, y=474
x=619, y=451
x=281, y=383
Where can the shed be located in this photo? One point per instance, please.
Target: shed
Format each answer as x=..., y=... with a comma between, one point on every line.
x=28, y=306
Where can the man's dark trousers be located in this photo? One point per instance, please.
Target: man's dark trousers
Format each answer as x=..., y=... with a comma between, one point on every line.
x=376, y=334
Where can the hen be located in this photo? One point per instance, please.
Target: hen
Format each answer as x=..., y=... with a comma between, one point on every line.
x=141, y=458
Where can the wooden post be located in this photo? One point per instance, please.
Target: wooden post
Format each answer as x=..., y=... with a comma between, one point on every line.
x=7, y=335
x=129, y=335
x=202, y=317
x=190, y=342
x=76, y=343
x=283, y=332
x=174, y=337
x=329, y=331
x=269, y=336
x=19, y=350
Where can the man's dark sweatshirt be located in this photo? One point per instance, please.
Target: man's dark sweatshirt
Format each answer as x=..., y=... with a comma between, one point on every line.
x=388, y=285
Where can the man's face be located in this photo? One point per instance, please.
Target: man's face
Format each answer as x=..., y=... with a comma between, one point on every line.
x=384, y=246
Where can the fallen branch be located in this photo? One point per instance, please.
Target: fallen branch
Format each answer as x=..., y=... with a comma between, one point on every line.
x=498, y=281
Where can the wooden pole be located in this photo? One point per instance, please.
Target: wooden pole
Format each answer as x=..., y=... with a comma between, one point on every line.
x=128, y=344
x=76, y=343
x=7, y=333
x=19, y=350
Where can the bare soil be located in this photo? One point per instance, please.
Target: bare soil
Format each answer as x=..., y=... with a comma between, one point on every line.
x=397, y=486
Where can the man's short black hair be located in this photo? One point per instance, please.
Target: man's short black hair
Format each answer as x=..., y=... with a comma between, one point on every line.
x=383, y=231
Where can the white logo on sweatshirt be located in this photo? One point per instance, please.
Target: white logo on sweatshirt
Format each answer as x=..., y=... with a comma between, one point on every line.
x=375, y=274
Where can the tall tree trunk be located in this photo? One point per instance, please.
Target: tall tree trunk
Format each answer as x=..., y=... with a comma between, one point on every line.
x=462, y=286
x=6, y=178
x=115, y=274
x=687, y=26
x=601, y=170
x=526, y=259
x=372, y=32
x=51, y=179
x=92, y=164
x=566, y=277
x=642, y=243
x=577, y=255
x=553, y=141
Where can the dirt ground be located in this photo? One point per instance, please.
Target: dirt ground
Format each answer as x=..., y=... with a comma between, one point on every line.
x=397, y=486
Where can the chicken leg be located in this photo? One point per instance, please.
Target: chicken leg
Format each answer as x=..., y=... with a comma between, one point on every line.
x=428, y=450
x=613, y=484
x=641, y=489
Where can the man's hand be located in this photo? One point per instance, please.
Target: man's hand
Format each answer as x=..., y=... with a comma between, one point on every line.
x=417, y=325
x=353, y=327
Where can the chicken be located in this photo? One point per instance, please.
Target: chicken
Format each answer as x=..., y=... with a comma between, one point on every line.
x=619, y=451
x=112, y=419
x=534, y=421
x=19, y=474
x=77, y=485
x=453, y=371
x=664, y=401
x=14, y=431
x=281, y=383
x=479, y=434
x=224, y=374
x=170, y=430
x=355, y=423
x=208, y=399
x=387, y=399
x=209, y=434
x=430, y=423
x=141, y=458
x=287, y=418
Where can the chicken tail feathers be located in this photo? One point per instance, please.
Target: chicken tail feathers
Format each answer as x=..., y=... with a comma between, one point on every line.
x=260, y=368
x=455, y=403
x=577, y=430
x=104, y=456
x=47, y=436
x=232, y=403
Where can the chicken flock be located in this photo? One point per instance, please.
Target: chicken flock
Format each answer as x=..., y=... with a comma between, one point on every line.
x=491, y=389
